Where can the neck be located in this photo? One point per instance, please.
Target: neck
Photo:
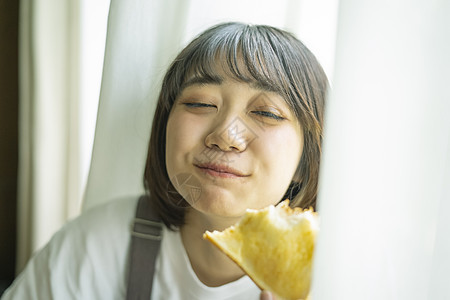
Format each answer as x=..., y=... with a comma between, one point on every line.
x=211, y=266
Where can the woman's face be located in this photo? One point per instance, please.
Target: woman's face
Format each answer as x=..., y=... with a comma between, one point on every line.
x=231, y=146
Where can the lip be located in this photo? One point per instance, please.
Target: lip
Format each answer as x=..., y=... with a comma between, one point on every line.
x=220, y=171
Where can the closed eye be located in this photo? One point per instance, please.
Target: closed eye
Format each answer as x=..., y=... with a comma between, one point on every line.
x=268, y=114
x=196, y=104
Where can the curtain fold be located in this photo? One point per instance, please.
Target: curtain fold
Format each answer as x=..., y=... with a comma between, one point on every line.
x=141, y=38
x=385, y=177
x=48, y=116
x=44, y=111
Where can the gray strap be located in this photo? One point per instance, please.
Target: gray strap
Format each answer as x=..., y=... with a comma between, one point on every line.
x=145, y=242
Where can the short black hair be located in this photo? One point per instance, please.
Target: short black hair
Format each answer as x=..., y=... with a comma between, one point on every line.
x=270, y=57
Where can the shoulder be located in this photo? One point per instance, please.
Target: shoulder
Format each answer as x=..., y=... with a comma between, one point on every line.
x=91, y=251
x=99, y=226
x=99, y=238
x=113, y=217
x=86, y=259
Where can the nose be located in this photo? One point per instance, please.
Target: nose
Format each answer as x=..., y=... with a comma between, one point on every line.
x=231, y=135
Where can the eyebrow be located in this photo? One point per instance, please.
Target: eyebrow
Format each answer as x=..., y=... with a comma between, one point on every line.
x=199, y=80
x=217, y=80
x=264, y=87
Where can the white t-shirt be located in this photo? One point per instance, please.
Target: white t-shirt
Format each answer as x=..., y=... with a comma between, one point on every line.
x=87, y=259
x=175, y=278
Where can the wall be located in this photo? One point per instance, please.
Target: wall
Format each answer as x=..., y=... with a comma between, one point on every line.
x=9, y=14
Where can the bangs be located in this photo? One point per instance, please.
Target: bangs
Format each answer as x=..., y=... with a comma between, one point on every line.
x=249, y=55
x=232, y=56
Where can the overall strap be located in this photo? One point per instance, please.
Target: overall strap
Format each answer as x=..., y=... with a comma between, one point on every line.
x=145, y=243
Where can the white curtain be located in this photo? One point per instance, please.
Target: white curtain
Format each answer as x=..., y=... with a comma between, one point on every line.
x=56, y=129
x=385, y=181
x=385, y=177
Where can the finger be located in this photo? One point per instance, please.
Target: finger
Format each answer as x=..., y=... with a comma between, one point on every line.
x=266, y=295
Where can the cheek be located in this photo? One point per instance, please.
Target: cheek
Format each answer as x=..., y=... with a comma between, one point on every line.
x=174, y=141
x=174, y=135
x=183, y=134
x=282, y=154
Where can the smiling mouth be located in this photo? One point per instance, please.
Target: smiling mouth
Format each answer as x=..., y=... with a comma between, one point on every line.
x=220, y=171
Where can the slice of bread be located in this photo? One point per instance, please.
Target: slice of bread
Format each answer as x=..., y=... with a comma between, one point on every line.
x=274, y=246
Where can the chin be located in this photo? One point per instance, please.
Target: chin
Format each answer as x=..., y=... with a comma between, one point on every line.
x=219, y=206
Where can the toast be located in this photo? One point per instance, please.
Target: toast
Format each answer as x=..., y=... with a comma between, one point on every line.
x=274, y=246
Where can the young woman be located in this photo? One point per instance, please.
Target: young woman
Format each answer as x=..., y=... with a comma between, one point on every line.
x=238, y=125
